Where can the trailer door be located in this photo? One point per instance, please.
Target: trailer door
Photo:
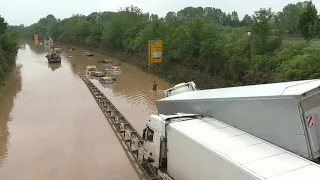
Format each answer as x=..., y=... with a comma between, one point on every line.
x=311, y=109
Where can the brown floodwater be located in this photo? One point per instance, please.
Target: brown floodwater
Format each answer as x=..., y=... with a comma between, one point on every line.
x=52, y=128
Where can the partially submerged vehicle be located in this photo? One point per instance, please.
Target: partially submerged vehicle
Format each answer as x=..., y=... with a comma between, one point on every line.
x=90, y=69
x=107, y=62
x=87, y=53
x=115, y=70
x=98, y=74
x=48, y=42
x=107, y=80
x=57, y=50
x=53, y=58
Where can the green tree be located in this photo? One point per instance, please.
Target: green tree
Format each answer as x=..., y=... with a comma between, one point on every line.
x=213, y=14
x=235, y=19
x=247, y=20
x=309, y=22
x=262, y=26
x=205, y=45
x=189, y=13
x=3, y=25
x=290, y=16
x=171, y=17
x=8, y=49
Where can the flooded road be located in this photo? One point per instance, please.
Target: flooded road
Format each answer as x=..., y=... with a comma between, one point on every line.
x=52, y=128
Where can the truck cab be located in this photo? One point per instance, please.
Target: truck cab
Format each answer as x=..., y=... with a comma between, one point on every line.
x=155, y=139
x=153, y=136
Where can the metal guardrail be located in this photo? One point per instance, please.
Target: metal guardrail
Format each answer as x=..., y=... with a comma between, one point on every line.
x=129, y=138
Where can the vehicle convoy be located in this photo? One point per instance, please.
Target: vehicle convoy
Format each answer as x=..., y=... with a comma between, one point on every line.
x=285, y=114
x=184, y=146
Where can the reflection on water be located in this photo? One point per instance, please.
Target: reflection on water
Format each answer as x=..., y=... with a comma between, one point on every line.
x=22, y=46
x=7, y=96
x=36, y=48
x=54, y=66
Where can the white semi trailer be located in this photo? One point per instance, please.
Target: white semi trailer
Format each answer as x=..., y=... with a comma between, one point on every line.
x=285, y=114
x=190, y=147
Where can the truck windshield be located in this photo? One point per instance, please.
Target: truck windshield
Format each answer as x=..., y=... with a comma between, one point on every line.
x=150, y=135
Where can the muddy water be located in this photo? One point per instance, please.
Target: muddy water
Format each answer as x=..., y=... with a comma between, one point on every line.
x=51, y=127
x=131, y=93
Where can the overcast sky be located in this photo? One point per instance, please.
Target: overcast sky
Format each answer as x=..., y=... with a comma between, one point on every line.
x=30, y=11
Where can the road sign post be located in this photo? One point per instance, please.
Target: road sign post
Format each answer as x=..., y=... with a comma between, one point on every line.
x=35, y=39
x=155, y=50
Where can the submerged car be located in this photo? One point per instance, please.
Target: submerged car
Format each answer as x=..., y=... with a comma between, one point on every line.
x=87, y=53
x=106, y=61
x=115, y=70
x=98, y=74
x=107, y=80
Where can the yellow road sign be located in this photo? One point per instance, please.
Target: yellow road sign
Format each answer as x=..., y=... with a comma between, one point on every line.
x=35, y=39
x=155, y=52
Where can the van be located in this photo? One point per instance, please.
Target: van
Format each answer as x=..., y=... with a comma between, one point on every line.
x=90, y=69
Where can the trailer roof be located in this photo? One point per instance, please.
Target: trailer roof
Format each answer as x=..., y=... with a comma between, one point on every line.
x=274, y=89
x=256, y=156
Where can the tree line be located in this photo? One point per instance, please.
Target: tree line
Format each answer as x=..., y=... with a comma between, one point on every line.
x=207, y=45
x=8, y=49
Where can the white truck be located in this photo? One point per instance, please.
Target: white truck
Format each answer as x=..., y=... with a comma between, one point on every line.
x=180, y=88
x=190, y=147
x=285, y=114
